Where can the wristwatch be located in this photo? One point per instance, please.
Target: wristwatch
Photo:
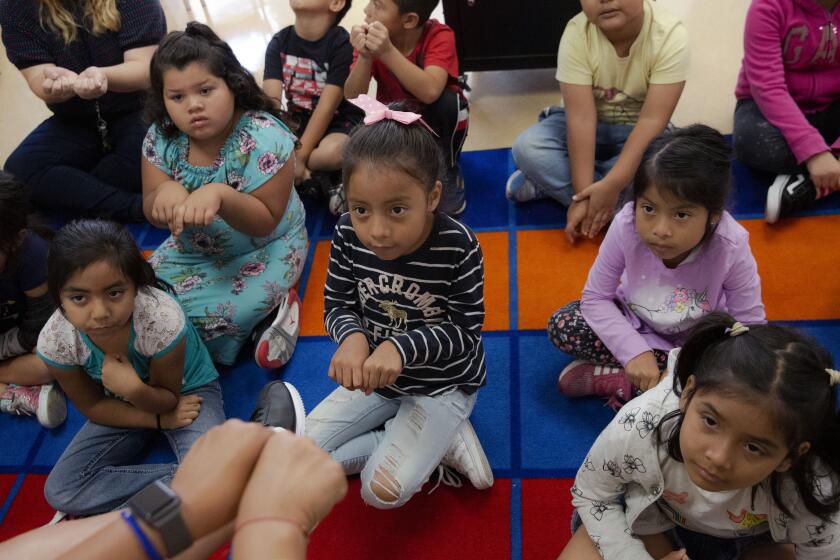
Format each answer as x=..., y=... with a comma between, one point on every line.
x=160, y=507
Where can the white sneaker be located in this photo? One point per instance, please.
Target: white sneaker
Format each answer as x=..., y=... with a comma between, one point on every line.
x=275, y=345
x=466, y=456
x=52, y=406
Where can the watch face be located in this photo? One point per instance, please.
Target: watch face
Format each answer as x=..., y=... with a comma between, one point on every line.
x=152, y=500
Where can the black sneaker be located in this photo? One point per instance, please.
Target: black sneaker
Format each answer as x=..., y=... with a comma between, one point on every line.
x=279, y=406
x=453, y=200
x=787, y=195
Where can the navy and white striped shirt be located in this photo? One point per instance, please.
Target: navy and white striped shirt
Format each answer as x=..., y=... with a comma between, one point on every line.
x=430, y=304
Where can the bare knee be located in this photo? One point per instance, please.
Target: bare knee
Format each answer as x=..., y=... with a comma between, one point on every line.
x=383, y=491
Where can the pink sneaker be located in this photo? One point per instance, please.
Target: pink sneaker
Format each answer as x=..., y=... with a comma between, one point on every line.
x=46, y=402
x=582, y=379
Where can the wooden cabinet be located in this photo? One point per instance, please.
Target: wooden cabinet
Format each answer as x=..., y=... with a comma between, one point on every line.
x=508, y=34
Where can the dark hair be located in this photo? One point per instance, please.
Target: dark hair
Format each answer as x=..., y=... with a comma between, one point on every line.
x=691, y=163
x=410, y=149
x=785, y=372
x=339, y=15
x=81, y=243
x=198, y=43
x=423, y=8
x=16, y=215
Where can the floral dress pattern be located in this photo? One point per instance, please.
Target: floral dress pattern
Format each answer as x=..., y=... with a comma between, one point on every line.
x=228, y=281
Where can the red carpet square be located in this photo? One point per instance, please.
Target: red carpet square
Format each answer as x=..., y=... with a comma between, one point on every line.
x=546, y=517
x=450, y=523
x=29, y=510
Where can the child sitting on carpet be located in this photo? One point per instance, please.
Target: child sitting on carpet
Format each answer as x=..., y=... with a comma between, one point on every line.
x=670, y=256
x=131, y=362
x=735, y=457
x=621, y=66
x=26, y=387
x=413, y=59
x=404, y=300
x=310, y=61
x=218, y=172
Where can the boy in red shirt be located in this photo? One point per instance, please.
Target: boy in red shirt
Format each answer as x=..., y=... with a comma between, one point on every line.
x=413, y=58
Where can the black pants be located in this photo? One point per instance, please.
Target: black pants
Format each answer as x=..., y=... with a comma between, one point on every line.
x=760, y=145
x=66, y=171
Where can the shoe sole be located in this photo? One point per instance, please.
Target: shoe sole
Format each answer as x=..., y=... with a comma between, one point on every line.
x=773, y=206
x=261, y=352
x=300, y=410
x=52, y=406
x=476, y=451
x=508, y=185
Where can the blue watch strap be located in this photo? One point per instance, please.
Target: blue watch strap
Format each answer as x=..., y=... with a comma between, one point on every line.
x=147, y=545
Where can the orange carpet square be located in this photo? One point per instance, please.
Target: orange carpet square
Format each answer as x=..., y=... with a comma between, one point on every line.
x=496, y=285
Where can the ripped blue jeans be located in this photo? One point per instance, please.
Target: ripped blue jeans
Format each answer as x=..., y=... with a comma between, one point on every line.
x=396, y=444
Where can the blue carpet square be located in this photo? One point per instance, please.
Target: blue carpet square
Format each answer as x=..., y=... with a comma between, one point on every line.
x=491, y=416
x=556, y=432
x=484, y=182
x=19, y=434
x=56, y=440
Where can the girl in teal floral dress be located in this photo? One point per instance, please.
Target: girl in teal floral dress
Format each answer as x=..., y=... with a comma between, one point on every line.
x=218, y=172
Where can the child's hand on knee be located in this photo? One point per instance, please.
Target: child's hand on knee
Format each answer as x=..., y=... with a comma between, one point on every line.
x=382, y=367
x=346, y=364
x=183, y=414
x=643, y=371
x=824, y=170
x=377, y=40
x=575, y=216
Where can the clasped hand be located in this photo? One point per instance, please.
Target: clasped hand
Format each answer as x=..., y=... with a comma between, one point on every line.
x=178, y=208
x=370, y=40
x=353, y=366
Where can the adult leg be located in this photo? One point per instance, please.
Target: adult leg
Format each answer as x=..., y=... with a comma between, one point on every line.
x=541, y=153
x=55, y=164
x=413, y=446
x=96, y=474
x=343, y=424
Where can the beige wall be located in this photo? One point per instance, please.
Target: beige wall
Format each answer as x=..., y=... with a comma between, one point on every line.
x=503, y=103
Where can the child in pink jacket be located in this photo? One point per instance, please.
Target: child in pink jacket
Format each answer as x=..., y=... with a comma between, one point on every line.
x=787, y=120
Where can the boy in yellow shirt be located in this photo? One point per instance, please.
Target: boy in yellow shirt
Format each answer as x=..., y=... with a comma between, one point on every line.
x=621, y=65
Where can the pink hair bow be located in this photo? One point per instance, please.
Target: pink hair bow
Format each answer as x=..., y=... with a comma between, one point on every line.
x=376, y=111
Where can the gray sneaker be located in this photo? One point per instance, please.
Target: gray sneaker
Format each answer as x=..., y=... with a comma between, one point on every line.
x=279, y=406
x=466, y=456
x=519, y=189
x=453, y=199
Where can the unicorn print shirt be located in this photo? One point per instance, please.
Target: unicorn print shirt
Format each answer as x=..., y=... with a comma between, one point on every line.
x=628, y=485
x=634, y=303
x=429, y=303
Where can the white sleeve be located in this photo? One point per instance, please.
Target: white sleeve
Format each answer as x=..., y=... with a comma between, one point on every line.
x=159, y=322
x=60, y=344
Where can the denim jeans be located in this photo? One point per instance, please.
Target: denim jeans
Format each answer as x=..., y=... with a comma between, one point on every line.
x=66, y=171
x=542, y=154
x=418, y=431
x=96, y=474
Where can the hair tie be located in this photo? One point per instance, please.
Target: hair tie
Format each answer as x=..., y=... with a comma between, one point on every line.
x=376, y=111
x=736, y=329
x=833, y=376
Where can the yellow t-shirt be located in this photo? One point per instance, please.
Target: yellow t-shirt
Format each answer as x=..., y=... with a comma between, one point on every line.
x=659, y=55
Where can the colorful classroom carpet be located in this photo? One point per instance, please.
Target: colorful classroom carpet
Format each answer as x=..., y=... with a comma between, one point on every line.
x=534, y=437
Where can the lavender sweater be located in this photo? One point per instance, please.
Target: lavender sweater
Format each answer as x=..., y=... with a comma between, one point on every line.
x=791, y=66
x=634, y=303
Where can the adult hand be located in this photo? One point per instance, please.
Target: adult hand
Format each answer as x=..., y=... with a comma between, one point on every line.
x=346, y=364
x=358, y=39
x=58, y=83
x=575, y=216
x=167, y=200
x=200, y=207
x=377, y=40
x=603, y=199
x=119, y=376
x=293, y=480
x=643, y=371
x=382, y=367
x=824, y=170
x=183, y=414
x=212, y=477
x=92, y=83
